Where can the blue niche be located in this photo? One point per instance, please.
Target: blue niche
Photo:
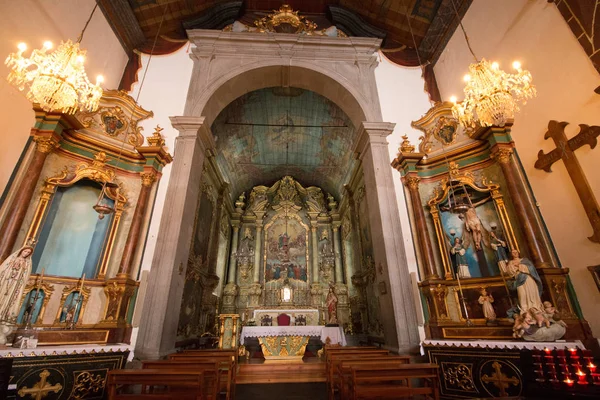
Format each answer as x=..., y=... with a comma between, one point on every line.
x=73, y=238
x=71, y=308
x=32, y=305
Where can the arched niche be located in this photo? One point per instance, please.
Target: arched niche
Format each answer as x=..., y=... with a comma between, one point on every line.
x=84, y=183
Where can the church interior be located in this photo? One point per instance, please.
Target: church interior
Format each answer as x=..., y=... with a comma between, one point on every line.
x=328, y=199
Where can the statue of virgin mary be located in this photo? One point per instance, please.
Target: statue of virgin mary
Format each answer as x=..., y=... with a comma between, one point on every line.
x=14, y=273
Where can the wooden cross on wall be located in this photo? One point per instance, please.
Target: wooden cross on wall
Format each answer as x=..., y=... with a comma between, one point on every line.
x=565, y=150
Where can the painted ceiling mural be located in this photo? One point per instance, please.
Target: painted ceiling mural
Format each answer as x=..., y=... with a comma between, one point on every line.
x=273, y=132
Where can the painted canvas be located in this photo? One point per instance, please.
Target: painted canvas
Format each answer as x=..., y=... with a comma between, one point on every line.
x=286, y=251
x=478, y=254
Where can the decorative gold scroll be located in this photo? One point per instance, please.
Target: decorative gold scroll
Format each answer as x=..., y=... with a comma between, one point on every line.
x=97, y=171
x=440, y=194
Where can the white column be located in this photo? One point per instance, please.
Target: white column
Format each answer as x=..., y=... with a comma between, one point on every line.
x=339, y=276
x=160, y=314
x=257, y=252
x=388, y=245
x=234, y=248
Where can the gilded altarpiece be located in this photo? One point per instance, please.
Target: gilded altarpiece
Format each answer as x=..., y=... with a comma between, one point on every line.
x=286, y=239
x=82, y=262
x=470, y=208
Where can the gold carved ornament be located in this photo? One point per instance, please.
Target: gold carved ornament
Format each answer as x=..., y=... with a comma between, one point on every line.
x=41, y=389
x=441, y=193
x=97, y=171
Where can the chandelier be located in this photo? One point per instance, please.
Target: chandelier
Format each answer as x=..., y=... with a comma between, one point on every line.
x=492, y=96
x=55, y=80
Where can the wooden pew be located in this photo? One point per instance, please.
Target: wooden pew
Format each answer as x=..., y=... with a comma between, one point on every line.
x=211, y=371
x=333, y=358
x=227, y=376
x=155, y=384
x=383, y=382
x=343, y=374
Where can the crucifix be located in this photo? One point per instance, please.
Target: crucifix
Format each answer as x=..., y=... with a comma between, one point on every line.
x=565, y=151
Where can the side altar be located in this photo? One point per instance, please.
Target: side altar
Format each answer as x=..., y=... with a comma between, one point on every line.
x=487, y=266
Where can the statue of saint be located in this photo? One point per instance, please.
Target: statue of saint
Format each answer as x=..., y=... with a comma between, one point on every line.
x=526, y=281
x=486, y=301
x=331, y=303
x=14, y=273
x=458, y=251
x=500, y=248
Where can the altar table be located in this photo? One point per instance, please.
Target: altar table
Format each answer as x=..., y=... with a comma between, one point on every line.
x=289, y=342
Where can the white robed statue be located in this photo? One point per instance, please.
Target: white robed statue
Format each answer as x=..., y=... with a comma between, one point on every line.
x=526, y=282
x=14, y=273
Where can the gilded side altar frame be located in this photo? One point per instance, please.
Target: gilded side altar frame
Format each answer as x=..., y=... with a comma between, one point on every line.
x=98, y=172
x=440, y=194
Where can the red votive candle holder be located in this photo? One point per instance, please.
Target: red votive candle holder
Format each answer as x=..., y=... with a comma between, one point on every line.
x=570, y=382
x=591, y=367
x=581, y=377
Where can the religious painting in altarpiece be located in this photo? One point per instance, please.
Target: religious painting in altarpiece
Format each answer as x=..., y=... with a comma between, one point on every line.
x=191, y=315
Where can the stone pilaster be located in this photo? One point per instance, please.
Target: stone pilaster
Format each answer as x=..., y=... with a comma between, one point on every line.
x=400, y=326
x=158, y=326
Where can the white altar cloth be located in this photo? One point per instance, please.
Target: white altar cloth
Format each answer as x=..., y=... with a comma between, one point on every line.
x=503, y=344
x=334, y=333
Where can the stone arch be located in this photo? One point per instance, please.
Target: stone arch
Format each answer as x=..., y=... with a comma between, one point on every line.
x=275, y=72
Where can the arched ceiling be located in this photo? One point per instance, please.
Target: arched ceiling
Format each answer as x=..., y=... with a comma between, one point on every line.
x=269, y=133
x=137, y=22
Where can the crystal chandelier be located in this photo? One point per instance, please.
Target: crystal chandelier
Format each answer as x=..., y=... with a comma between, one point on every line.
x=55, y=80
x=491, y=95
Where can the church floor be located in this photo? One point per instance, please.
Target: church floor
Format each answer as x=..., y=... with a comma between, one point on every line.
x=282, y=391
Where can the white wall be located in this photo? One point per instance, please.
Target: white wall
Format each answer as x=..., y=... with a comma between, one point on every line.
x=34, y=22
x=535, y=33
x=403, y=99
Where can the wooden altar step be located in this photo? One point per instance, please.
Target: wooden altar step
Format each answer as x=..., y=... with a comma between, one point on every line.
x=281, y=372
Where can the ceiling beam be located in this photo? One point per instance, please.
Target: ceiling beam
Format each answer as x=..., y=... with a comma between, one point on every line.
x=123, y=22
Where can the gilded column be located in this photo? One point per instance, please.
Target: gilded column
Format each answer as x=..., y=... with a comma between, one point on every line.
x=339, y=276
x=15, y=215
x=412, y=183
x=257, y=251
x=315, y=251
x=526, y=213
x=234, y=247
x=135, y=229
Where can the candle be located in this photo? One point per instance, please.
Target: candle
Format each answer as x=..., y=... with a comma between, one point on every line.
x=569, y=382
x=82, y=280
x=592, y=368
x=41, y=279
x=582, y=377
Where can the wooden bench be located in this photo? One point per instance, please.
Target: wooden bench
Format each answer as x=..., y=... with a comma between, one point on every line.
x=212, y=371
x=343, y=373
x=227, y=375
x=333, y=358
x=155, y=384
x=383, y=382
